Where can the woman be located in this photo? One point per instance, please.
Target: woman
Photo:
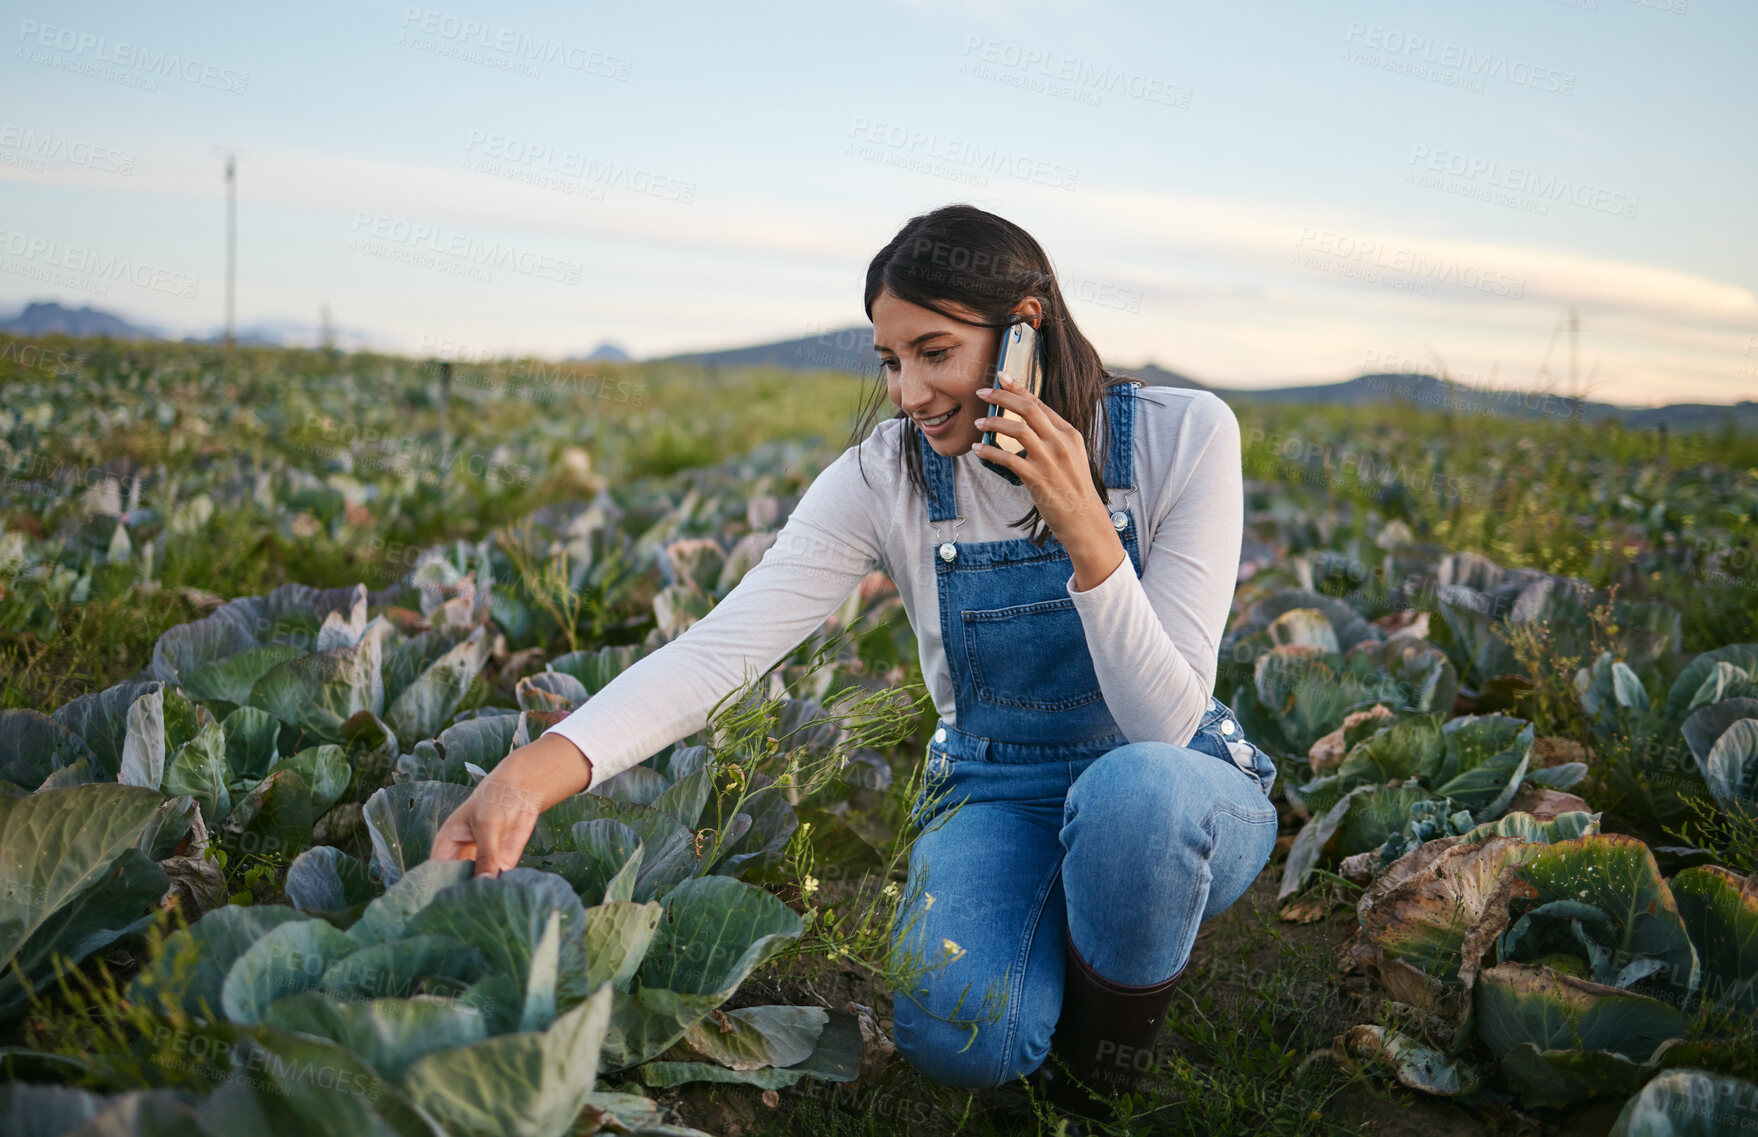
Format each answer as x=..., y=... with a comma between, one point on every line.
x=1108, y=804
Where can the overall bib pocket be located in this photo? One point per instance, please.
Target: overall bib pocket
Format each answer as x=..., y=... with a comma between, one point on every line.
x=1009, y=667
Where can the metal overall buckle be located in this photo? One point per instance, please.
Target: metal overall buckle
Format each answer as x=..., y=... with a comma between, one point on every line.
x=947, y=550
x=1120, y=515
x=1219, y=713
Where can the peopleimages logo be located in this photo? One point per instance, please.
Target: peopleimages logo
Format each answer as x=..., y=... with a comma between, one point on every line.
x=949, y=156
x=1052, y=73
x=50, y=254
x=75, y=151
x=461, y=248
x=574, y=171
x=1521, y=180
x=87, y=49
x=469, y=39
x=1414, y=264
x=1469, y=62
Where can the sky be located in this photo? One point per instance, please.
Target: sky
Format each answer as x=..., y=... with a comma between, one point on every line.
x=1254, y=194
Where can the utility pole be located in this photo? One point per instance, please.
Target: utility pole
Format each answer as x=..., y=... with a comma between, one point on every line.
x=1574, y=352
x=231, y=251
x=445, y=429
x=445, y=398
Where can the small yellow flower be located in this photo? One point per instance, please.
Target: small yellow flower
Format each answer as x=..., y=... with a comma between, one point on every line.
x=891, y=890
x=952, y=949
x=809, y=886
x=928, y=898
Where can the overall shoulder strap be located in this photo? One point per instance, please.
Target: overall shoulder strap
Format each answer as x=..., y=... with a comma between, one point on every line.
x=1120, y=406
x=937, y=468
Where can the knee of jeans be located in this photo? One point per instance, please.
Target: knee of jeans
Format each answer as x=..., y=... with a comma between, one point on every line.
x=1135, y=783
x=1147, y=785
x=945, y=1051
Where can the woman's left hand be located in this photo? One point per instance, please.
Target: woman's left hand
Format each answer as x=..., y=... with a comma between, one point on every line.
x=1054, y=466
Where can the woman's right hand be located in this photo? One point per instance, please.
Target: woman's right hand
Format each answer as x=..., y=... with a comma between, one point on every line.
x=496, y=820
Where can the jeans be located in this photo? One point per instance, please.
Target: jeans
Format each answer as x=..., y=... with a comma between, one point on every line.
x=1131, y=850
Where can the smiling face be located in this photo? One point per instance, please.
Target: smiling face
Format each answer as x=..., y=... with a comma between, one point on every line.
x=934, y=365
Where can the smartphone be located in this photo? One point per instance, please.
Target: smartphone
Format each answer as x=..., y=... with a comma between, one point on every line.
x=1017, y=356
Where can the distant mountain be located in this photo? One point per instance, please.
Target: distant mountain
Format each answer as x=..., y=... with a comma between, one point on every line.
x=291, y=333
x=246, y=337
x=1692, y=416
x=1432, y=393
x=1156, y=376
x=606, y=351
x=1410, y=387
x=849, y=350
x=49, y=319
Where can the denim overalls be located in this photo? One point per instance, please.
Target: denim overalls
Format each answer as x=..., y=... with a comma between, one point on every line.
x=1060, y=818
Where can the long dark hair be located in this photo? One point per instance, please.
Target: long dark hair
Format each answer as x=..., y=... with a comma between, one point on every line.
x=967, y=256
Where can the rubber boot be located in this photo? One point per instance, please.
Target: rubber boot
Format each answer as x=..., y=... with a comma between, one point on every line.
x=1104, y=1037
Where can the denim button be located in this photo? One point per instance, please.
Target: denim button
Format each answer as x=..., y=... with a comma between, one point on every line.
x=948, y=551
x=940, y=735
x=1227, y=727
x=1119, y=519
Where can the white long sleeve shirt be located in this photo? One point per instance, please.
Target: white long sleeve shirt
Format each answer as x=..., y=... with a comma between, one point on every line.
x=1154, y=639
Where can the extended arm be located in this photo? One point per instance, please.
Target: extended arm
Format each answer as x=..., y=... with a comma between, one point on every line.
x=828, y=544
x=818, y=558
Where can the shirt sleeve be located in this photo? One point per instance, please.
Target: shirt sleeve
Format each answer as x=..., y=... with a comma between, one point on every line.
x=1155, y=640
x=830, y=542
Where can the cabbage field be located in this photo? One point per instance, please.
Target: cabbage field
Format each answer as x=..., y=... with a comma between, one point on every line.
x=265, y=621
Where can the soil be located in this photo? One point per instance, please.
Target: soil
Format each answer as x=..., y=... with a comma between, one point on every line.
x=1249, y=969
